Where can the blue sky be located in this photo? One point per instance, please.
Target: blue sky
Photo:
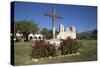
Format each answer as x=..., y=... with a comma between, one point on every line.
x=84, y=18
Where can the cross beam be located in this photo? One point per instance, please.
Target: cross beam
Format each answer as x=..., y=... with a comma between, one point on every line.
x=54, y=16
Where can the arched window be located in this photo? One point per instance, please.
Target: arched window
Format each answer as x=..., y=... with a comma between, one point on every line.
x=31, y=37
x=35, y=37
x=39, y=37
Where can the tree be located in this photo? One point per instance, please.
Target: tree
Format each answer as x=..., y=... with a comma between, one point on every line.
x=47, y=33
x=26, y=26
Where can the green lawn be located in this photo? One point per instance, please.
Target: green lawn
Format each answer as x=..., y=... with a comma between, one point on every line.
x=88, y=52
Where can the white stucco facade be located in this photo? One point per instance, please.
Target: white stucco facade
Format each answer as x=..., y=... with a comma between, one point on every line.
x=64, y=34
x=35, y=37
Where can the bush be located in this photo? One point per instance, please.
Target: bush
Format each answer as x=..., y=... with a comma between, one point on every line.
x=69, y=46
x=42, y=49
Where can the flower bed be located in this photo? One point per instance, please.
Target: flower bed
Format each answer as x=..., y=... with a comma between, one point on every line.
x=41, y=49
x=69, y=46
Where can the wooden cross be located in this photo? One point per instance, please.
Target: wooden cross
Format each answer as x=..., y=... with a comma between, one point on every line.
x=54, y=16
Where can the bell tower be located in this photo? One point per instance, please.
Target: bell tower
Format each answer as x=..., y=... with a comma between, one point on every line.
x=61, y=28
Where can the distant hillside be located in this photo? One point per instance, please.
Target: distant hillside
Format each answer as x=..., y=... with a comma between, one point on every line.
x=88, y=34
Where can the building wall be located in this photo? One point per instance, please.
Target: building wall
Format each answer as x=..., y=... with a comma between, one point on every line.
x=69, y=32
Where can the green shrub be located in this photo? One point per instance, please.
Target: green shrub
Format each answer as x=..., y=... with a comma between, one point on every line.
x=69, y=46
x=42, y=49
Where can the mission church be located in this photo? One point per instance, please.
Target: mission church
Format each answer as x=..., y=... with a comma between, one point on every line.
x=65, y=33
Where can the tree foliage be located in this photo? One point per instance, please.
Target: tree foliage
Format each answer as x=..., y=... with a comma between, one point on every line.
x=26, y=26
x=47, y=33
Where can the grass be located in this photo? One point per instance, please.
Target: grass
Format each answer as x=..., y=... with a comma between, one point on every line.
x=88, y=52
